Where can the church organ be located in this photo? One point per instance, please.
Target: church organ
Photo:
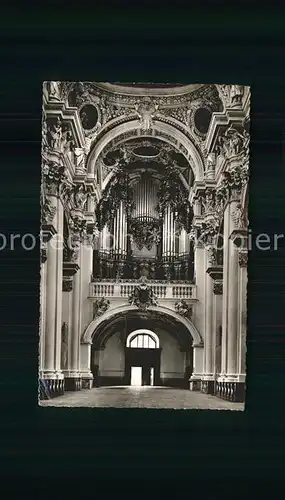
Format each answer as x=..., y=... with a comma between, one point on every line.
x=143, y=239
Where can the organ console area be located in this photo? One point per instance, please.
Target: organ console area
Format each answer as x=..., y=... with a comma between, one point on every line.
x=144, y=240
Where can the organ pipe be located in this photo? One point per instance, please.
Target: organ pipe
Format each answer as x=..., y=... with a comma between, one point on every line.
x=169, y=235
x=145, y=198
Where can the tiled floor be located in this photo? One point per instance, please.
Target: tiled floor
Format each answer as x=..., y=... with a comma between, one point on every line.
x=142, y=397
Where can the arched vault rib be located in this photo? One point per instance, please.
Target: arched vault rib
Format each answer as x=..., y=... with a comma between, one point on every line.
x=108, y=315
x=192, y=156
x=128, y=322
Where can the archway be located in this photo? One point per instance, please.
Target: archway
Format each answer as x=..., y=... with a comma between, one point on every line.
x=167, y=132
x=112, y=356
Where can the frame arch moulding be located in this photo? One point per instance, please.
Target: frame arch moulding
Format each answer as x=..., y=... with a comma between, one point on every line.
x=87, y=337
x=165, y=128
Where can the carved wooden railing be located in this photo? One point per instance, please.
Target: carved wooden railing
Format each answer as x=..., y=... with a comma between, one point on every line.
x=124, y=290
x=109, y=265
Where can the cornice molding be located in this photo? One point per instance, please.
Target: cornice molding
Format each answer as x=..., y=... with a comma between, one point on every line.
x=142, y=91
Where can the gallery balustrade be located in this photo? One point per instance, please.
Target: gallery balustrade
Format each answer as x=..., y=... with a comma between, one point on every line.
x=113, y=266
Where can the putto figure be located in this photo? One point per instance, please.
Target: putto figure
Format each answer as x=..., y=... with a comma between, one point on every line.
x=146, y=110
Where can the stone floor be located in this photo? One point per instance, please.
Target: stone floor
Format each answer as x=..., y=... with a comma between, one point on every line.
x=142, y=397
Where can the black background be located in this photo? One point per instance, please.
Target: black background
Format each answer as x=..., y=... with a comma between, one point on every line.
x=43, y=447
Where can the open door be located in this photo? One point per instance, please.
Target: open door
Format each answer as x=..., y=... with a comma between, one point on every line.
x=136, y=375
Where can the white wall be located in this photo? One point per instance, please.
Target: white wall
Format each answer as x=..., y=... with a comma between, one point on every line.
x=112, y=358
x=172, y=359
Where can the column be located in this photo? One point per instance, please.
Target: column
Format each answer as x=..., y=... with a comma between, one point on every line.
x=208, y=375
x=225, y=293
x=199, y=316
x=195, y=379
x=217, y=325
x=229, y=380
x=86, y=305
x=85, y=366
x=59, y=276
x=50, y=316
x=50, y=362
x=72, y=382
x=66, y=322
x=242, y=326
x=232, y=309
x=42, y=306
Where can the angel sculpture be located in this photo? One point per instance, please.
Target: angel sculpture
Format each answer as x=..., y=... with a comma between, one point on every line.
x=80, y=159
x=238, y=216
x=56, y=135
x=80, y=197
x=234, y=141
x=54, y=91
x=237, y=92
x=146, y=111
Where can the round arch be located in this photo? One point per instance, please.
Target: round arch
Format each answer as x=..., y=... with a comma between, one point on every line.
x=88, y=335
x=159, y=126
x=142, y=331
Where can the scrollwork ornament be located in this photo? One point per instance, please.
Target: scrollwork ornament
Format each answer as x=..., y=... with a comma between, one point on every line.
x=146, y=233
x=53, y=177
x=212, y=255
x=43, y=255
x=48, y=212
x=218, y=287
x=67, y=285
x=173, y=195
x=117, y=191
x=209, y=231
x=243, y=258
x=77, y=228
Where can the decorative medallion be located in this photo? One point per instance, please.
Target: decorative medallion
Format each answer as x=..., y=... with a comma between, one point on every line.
x=88, y=116
x=202, y=118
x=143, y=296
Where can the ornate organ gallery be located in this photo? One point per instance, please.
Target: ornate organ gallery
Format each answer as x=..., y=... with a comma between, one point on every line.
x=147, y=188
x=144, y=219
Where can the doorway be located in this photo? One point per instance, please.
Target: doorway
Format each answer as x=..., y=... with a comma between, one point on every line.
x=142, y=375
x=142, y=366
x=136, y=376
x=142, y=358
